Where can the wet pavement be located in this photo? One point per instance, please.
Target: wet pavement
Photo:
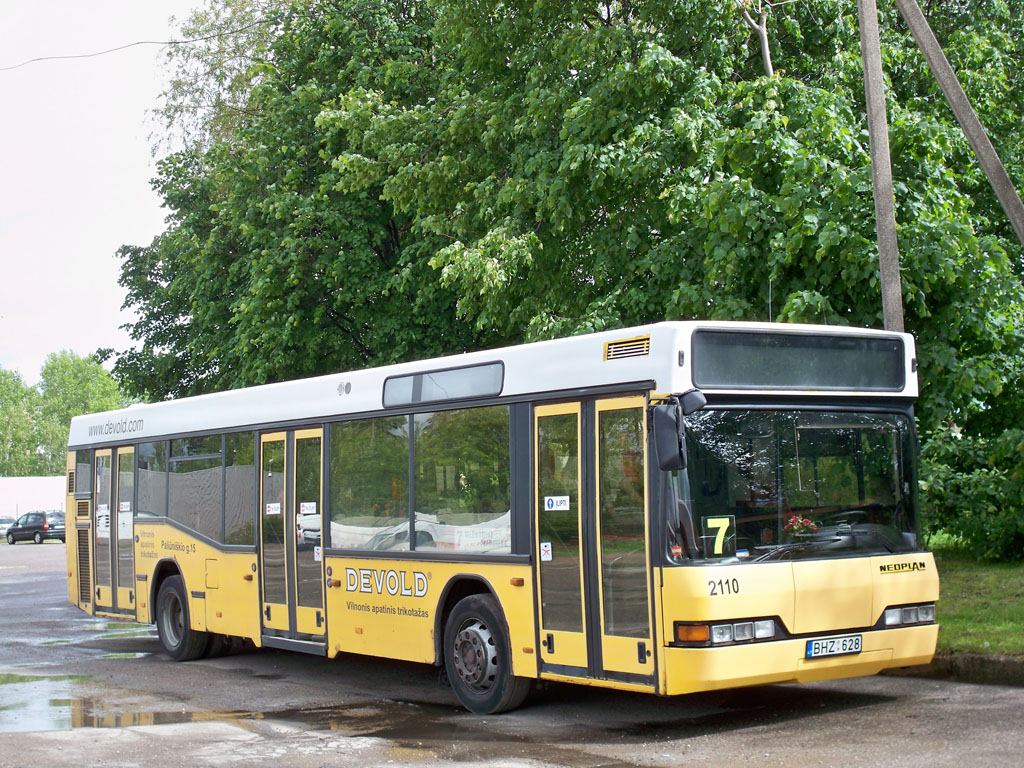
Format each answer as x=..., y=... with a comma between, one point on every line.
x=81, y=690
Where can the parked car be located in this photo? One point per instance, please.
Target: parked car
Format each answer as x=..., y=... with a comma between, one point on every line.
x=37, y=527
x=5, y=523
x=308, y=527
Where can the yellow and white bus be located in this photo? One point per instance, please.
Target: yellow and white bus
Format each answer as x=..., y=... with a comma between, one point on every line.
x=671, y=508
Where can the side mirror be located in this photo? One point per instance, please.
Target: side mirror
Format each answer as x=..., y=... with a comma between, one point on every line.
x=669, y=431
x=692, y=401
x=668, y=439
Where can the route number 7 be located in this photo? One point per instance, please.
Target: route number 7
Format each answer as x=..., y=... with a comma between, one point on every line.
x=720, y=527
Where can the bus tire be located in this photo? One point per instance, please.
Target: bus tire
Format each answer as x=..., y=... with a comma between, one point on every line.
x=478, y=658
x=181, y=642
x=217, y=645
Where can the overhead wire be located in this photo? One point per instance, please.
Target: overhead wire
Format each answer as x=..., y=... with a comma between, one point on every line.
x=138, y=43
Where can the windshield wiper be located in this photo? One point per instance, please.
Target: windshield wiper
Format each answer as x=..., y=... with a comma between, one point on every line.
x=794, y=545
x=782, y=549
x=874, y=535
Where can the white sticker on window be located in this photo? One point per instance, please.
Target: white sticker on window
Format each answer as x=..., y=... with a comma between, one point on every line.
x=556, y=503
x=274, y=509
x=103, y=521
x=307, y=508
x=318, y=554
x=545, y=551
x=125, y=506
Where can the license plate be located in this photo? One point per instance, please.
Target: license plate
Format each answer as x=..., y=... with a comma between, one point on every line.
x=833, y=646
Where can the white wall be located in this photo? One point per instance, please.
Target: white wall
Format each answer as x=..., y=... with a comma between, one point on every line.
x=19, y=495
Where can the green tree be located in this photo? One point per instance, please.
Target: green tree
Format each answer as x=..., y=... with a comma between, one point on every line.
x=17, y=410
x=34, y=421
x=69, y=385
x=211, y=78
x=412, y=178
x=269, y=271
x=594, y=169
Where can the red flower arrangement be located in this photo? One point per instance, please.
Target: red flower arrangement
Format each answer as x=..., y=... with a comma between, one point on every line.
x=796, y=526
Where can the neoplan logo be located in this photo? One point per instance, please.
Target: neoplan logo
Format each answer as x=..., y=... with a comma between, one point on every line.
x=902, y=567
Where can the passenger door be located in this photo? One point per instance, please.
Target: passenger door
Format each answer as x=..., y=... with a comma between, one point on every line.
x=291, y=486
x=114, y=530
x=592, y=552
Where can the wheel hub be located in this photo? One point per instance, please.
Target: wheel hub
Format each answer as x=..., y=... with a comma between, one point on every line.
x=173, y=619
x=475, y=659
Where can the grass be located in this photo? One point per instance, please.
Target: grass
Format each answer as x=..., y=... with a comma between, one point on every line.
x=981, y=605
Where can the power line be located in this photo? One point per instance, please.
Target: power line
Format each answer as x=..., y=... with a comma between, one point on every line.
x=138, y=43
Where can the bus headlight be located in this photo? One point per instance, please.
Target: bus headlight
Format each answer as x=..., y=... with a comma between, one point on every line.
x=743, y=631
x=909, y=614
x=721, y=633
x=748, y=631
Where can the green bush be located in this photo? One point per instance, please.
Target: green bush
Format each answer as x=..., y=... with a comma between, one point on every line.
x=973, y=490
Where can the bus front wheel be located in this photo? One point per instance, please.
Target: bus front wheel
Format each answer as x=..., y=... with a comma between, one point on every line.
x=181, y=642
x=478, y=660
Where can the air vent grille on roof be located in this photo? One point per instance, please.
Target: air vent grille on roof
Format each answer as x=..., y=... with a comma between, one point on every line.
x=635, y=347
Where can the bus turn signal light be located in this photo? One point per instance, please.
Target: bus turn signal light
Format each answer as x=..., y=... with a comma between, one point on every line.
x=692, y=633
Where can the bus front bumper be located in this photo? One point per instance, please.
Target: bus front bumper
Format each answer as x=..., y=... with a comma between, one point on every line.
x=688, y=670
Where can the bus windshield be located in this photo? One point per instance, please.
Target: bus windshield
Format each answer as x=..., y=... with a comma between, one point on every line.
x=786, y=484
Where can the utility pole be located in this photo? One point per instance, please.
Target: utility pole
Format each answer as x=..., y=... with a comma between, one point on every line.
x=965, y=115
x=881, y=170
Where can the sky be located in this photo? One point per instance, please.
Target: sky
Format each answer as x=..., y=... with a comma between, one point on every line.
x=75, y=167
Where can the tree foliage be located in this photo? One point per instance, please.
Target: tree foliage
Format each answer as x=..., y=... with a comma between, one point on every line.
x=34, y=421
x=412, y=178
x=267, y=270
x=211, y=77
x=595, y=170
x=17, y=407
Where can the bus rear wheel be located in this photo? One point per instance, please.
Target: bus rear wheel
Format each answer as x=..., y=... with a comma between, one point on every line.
x=181, y=642
x=478, y=659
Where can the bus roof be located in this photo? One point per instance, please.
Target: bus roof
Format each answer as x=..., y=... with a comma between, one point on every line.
x=658, y=357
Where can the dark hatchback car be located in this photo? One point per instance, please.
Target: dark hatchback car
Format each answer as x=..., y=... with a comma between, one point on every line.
x=37, y=527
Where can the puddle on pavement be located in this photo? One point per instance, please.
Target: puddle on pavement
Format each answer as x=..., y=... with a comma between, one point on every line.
x=28, y=702
x=90, y=624
x=136, y=633
x=38, y=703
x=124, y=655
x=422, y=730
x=44, y=703
x=8, y=679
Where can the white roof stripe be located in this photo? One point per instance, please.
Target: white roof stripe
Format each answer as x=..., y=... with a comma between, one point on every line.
x=561, y=364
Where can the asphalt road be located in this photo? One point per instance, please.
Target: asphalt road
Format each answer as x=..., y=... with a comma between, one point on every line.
x=76, y=690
